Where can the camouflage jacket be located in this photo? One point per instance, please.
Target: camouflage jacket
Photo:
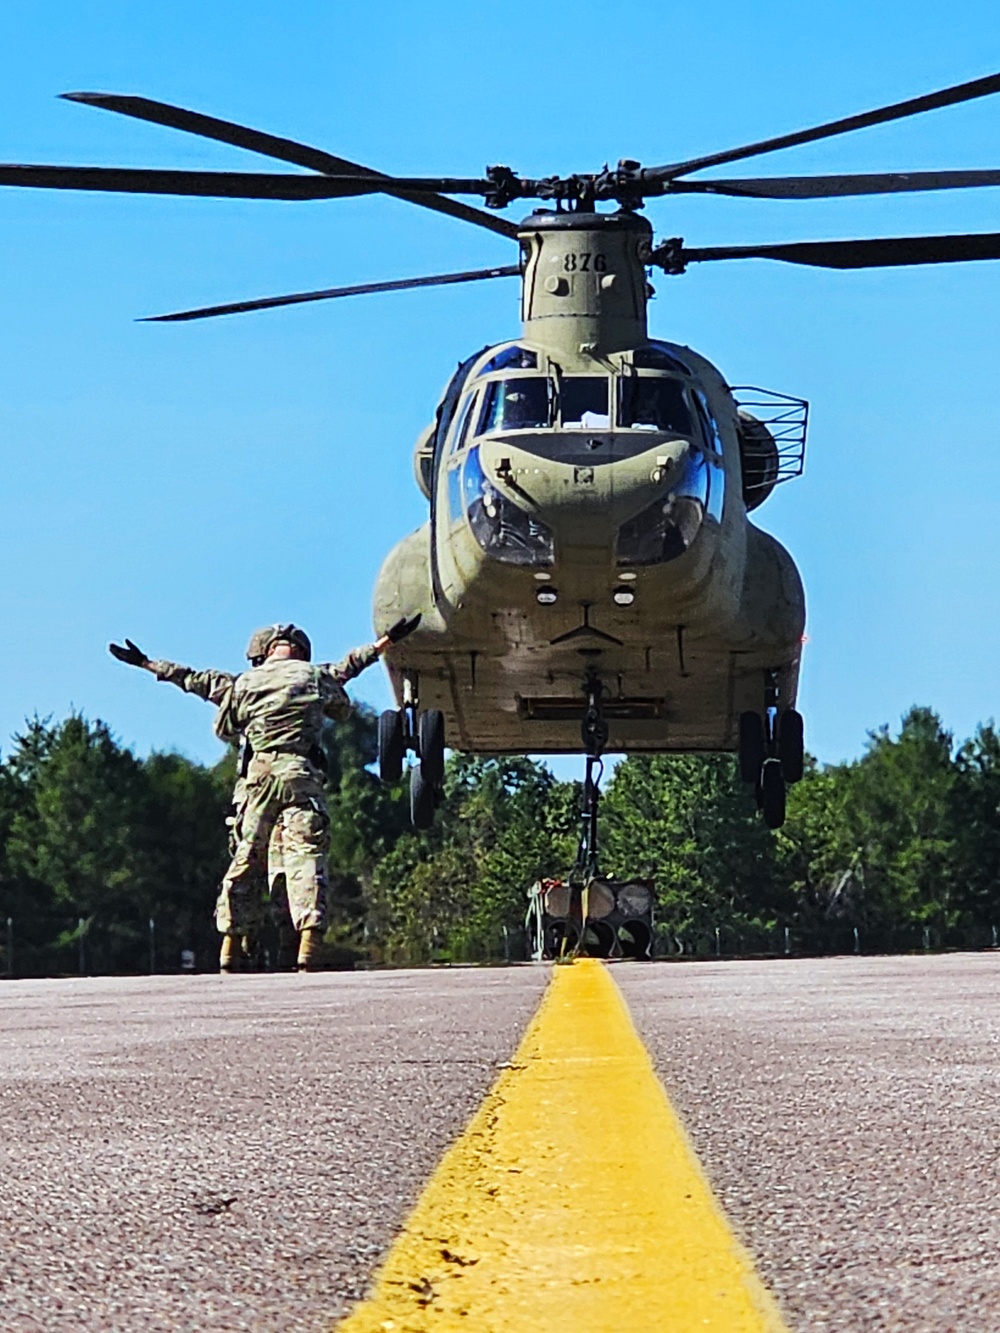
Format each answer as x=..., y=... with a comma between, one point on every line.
x=278, y=706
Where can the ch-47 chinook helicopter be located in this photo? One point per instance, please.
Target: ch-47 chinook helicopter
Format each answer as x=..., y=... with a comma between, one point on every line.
x=589, y=578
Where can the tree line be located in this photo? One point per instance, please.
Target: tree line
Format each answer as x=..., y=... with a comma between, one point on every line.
x=110, y=862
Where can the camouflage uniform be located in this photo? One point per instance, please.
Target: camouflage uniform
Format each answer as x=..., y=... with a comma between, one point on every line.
x=269, y=879
x=279, y=707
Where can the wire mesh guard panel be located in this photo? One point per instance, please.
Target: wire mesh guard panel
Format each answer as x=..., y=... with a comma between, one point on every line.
x=785, y=420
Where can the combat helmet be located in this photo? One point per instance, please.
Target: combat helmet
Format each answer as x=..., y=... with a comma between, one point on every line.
x=261, y=640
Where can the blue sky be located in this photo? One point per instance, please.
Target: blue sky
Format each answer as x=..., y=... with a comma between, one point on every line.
x=183, y=484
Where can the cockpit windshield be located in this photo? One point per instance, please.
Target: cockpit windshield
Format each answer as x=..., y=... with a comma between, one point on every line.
x=519, y=404
x=646, y=402
x=583, y=402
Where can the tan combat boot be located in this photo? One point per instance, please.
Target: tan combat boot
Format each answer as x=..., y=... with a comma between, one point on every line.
x=231, y=954
x=310, y=948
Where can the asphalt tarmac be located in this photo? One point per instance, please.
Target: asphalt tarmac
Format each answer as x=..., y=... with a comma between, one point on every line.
x=847, y=1112
x=206, y=1153
x=196, y=1153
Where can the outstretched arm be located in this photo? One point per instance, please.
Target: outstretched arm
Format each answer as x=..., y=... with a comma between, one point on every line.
x=362, y=658
x=210, y=685
x=336, y=704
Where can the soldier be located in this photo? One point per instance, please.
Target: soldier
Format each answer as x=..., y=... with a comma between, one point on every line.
x=270, y=875
x=278, y=706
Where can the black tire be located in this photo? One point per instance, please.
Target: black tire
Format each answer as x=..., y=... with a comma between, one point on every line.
x=422, y=799
x=751, y=747
x=791, y=749
x=391, y=745
x=772, y=794
x=430, y=729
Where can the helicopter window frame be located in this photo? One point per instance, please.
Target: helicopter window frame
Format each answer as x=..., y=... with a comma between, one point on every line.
x=491, y=391
x=694, y=424
x=659, y=356
x=580, y=424
x=445, y=414
x=463, y=421
x=502, y=529
x=513, y=357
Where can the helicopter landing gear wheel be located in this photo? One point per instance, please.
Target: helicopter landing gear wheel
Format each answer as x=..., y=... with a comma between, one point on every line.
x=391, y=745
x=751, y=747
x=791, y=751
x=423, y=799
x=430, y=740
x=771, y=794
x=771, y=752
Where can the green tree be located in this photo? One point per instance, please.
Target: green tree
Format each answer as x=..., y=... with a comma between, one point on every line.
x=874, y=843
x=183, y=812
x=95, y=835
x=977, y=796
x=366, y=820
x=687, y=822
x=79, y=835
x=450, y=892
x=818, y=862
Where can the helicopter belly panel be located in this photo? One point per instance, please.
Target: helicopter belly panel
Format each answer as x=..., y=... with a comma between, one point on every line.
x=654, y=700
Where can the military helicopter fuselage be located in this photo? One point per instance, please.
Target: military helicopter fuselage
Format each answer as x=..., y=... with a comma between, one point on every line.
x=589, y=490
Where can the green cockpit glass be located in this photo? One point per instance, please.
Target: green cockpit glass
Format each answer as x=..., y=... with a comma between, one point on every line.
x=516, y=404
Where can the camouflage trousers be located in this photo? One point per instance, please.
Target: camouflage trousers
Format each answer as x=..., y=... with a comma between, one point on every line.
x=280, y=832
x=267, y=881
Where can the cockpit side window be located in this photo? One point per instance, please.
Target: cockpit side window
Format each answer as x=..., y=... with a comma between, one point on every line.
x=583, y=402
x=446, y=408
x=647, y=402
x=511, y=358
x=518, y=404
x=465, y=416
x=657, y=356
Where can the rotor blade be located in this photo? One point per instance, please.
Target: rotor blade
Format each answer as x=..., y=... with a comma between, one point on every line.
x=269, y=302
x=961, y=92
x=213, y=184
x=825, y=187
x=882, y=252
x=285, y=150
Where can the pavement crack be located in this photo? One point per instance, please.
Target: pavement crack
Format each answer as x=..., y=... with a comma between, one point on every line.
x=424, y=1290
x=451, y=1258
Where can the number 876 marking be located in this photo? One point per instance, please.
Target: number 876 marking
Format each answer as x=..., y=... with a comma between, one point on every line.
x=584, y=261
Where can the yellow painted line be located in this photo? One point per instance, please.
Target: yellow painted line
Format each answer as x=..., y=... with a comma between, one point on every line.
x=572, y=1202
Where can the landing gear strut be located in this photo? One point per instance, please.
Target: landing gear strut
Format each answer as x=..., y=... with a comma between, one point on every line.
x=422, y=733
x=771, y=752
